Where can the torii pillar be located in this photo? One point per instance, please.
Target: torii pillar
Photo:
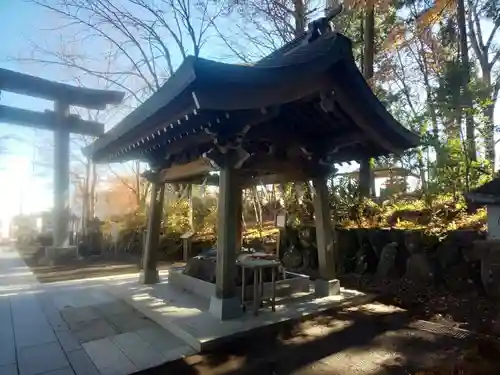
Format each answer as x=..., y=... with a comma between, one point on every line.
x=61, y=213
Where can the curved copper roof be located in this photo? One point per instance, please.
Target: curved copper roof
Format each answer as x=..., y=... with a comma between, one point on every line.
x=284, y=93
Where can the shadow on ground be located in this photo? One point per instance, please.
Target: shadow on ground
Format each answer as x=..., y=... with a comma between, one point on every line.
x=467, y=308
x=352, y=341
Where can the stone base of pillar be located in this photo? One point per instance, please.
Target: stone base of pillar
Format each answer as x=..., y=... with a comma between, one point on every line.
x=149, y=277
x=225, y=308
x=326, y=288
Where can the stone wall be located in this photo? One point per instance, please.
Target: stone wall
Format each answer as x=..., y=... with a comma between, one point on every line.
x=393, y=253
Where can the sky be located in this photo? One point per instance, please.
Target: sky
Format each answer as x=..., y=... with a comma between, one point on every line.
x=25, y=170
x=19, y=22
x=25, y=187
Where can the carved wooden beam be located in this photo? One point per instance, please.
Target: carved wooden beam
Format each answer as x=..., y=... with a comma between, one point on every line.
x=296, y=168
x=182, y=172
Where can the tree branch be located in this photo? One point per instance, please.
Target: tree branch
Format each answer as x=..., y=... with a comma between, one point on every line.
x=123, y=181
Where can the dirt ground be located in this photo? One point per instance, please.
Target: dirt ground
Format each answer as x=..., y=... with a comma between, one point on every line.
x=83, y=269
x=468, y=310
x=352, y=341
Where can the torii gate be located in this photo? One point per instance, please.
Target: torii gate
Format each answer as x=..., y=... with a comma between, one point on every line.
x=62, y=124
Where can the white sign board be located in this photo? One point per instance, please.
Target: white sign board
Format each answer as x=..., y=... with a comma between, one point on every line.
x=281, y=221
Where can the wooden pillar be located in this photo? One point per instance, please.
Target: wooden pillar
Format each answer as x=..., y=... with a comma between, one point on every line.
x=149, y=274
x=60, y=225
x=326, y=284
x=239, y=221
x=281, y=224
x=191, y=208
x=364, y=178
x=226, y=304
x=227, y=238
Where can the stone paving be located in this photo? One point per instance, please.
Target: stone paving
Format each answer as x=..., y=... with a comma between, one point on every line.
x=61, y=329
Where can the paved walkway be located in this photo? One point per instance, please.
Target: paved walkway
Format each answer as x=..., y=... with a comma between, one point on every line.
x=73, y=328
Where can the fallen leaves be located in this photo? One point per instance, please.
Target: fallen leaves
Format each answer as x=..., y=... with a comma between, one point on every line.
x=432, y=303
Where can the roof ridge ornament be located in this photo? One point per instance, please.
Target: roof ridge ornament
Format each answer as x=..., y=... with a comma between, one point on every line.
x=315, y=29
x=323, y=25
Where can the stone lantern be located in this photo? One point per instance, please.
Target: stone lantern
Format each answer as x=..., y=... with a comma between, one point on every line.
x=488, y=251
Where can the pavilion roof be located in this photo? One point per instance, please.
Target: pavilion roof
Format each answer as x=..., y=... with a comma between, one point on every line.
x=303, y=98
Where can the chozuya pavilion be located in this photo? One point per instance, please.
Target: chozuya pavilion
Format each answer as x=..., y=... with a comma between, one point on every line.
x=289, y=117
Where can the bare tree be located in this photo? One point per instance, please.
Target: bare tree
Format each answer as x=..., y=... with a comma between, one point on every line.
x=263, y=26
x=130, y=45
x=466, y=99
x=85, y=172
x=144, y=39
x=131, y=178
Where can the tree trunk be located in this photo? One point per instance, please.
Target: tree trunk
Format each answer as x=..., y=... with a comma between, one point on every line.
x=365, y=175
x=191, y=208
x=372, y=178
x=85, y=197
x=92, y=200
x=139, y=199
x=282, y=193
x=307, y=200
x=421, y=167
x=428, y=90
x=482, y=53
x=466, y=97
x=489, y=134
x=299, y=16
x=275, y=202
x=364, y=178
x=362, y=40
x=488, y=113
x=257, y=208
x=369, y=39
x=243, y=221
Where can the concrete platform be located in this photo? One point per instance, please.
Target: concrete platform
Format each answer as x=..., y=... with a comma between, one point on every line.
x=186, y=315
